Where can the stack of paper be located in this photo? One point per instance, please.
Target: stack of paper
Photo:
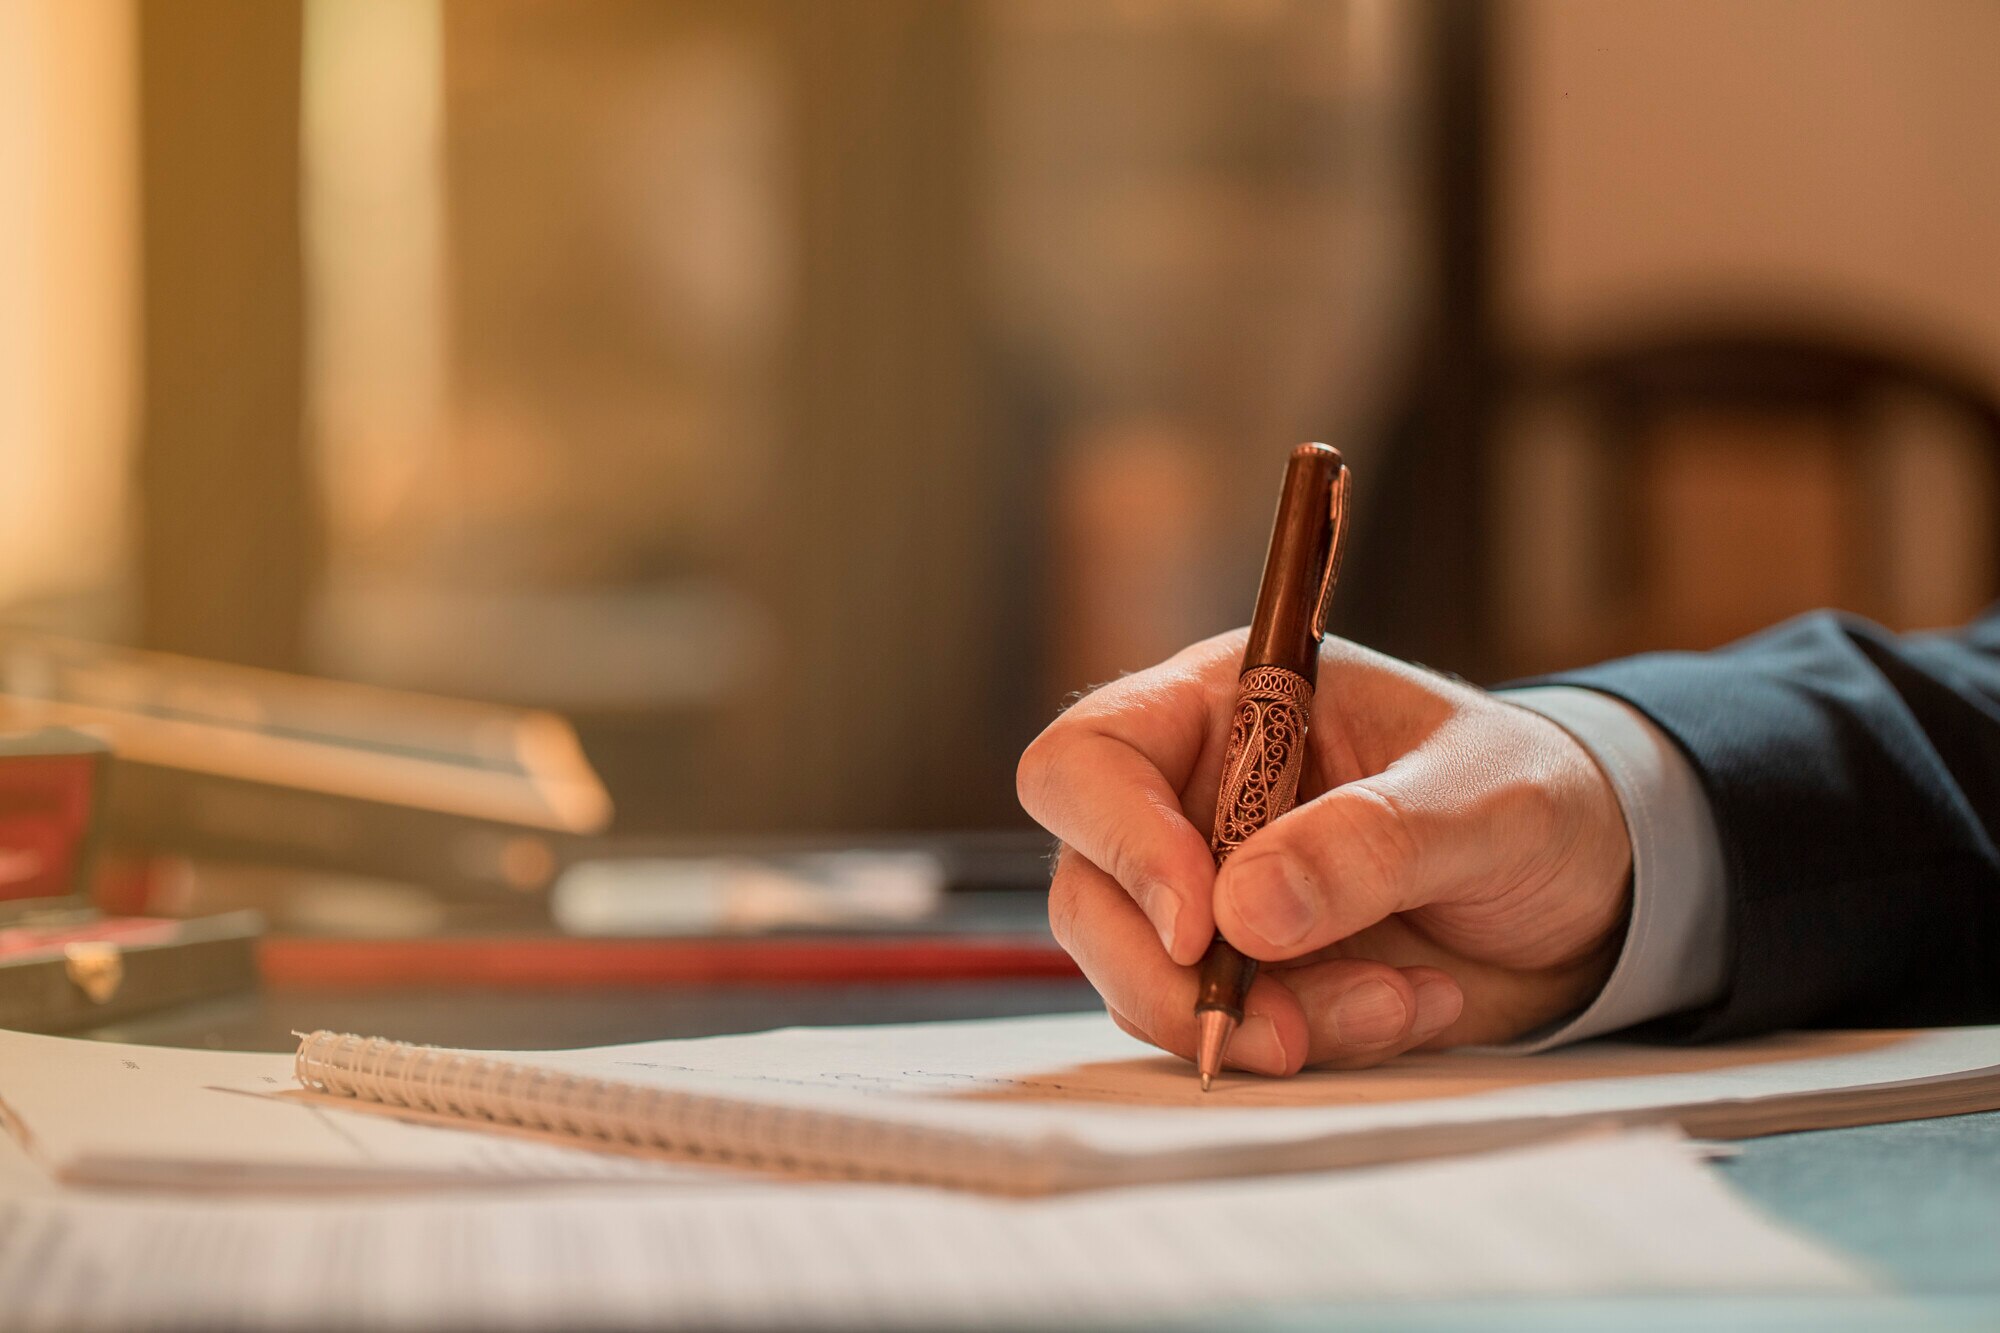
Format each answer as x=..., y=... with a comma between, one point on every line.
x=362, y=1220
x=1617, y=1214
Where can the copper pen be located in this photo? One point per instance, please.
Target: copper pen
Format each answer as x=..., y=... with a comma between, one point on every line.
x=1274, y=694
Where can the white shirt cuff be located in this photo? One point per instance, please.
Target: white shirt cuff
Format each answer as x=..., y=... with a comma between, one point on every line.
x=1676, y=944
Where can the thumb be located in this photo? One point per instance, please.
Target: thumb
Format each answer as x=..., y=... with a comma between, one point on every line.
x=1393, y=842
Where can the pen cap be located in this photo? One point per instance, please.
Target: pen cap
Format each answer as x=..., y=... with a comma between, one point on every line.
x=1286, y=629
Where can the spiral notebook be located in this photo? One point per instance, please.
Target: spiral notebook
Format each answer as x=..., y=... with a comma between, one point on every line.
x=1038, y=1105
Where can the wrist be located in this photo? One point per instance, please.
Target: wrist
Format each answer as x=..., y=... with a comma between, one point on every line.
x=1673, y=951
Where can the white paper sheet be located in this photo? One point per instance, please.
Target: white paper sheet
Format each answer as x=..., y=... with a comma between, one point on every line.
x=1628, y=1213
x=162, y=1114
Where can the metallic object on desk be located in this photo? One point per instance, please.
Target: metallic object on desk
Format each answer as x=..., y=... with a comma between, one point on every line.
x=56, y=978
x=1267, y=739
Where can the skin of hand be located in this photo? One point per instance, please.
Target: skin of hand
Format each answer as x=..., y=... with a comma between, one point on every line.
x=1456, y=870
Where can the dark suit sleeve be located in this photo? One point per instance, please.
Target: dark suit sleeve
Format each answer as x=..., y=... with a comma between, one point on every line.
x=1855, y=780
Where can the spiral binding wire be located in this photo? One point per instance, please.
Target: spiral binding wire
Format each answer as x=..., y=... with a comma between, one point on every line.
x=691, y=1126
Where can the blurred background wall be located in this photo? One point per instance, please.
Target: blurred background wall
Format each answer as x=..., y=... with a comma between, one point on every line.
x=807, y=398
x=68, y=337
x=1779, y=150
x=1831, y=170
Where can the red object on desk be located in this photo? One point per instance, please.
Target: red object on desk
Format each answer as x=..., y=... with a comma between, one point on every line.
x=519, y=963
x=49, y=782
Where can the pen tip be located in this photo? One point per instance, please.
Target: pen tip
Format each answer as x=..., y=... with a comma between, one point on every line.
x=1216, y=1027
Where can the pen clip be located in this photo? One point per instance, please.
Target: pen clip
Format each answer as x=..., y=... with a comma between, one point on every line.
x=1335, y=546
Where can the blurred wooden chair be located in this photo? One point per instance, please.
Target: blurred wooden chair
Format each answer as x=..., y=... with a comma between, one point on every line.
x=1684, y=487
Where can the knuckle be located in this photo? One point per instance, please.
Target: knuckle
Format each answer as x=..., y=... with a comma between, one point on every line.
x=1033, y=775
x=1377, y=845
x=1047, y=772
x=1129, y=856
x=1065, y=909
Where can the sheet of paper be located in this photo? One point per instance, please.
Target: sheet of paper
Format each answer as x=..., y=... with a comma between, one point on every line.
x=1612, y=1214
x=1078, y=1077
x=163, y=1115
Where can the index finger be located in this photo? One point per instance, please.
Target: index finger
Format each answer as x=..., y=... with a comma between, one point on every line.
x=1106, y=778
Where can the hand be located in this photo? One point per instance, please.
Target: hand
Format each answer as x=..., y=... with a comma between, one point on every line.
x=1456, y=869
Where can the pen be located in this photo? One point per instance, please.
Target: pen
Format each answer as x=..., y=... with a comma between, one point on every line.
x=1274, y=693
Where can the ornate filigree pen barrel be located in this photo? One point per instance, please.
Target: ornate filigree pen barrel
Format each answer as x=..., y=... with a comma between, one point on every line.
x=1267, y=737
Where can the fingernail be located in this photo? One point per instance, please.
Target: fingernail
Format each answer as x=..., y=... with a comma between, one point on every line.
x=1271, y=901
x=1162, y=907
x=1255, y=1047
x=1369, y=1015
x=1438, y=1006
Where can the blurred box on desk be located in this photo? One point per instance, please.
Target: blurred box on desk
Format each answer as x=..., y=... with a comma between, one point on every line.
x=241, y=765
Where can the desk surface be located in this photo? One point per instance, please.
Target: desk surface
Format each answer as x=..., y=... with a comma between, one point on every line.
x=1919, y=1203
